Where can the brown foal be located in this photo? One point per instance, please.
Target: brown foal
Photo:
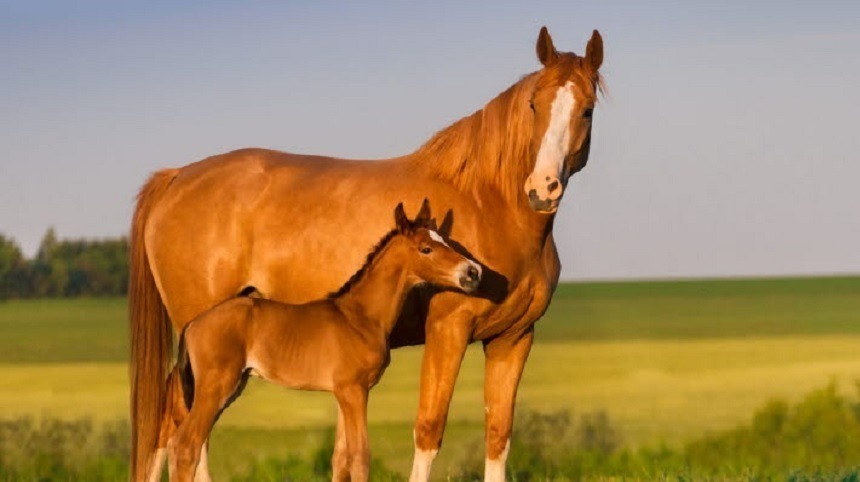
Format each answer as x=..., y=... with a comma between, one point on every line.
x=338, y=344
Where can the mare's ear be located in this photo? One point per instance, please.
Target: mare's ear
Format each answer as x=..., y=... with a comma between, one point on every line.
x=401, y=222
x=594, y=51
x=423, y=217
x=545, y=49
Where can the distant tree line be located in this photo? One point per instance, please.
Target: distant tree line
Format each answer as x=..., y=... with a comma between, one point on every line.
x=64, y=268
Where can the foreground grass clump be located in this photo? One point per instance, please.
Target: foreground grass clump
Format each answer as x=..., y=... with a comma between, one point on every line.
x=816, y=439
x=823, y=430
x=59, y=450
x=316, y=468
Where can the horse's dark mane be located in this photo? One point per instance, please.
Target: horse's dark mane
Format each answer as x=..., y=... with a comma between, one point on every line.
x=371, y=256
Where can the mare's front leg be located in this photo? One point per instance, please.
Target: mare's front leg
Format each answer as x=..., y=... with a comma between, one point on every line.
x=353, y=404
x=506, y=357
x=445, y=345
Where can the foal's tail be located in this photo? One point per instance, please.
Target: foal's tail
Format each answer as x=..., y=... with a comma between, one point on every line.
x=178, y=400
x=151, y=334
x=186, y=376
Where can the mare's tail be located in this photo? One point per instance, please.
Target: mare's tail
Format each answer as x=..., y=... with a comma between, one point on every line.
x=151, y=334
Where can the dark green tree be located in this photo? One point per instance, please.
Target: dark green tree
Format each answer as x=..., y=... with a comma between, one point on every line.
x=13, y=270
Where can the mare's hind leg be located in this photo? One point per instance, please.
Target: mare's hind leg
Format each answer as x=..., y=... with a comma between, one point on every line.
x=340, y=457
x=157, y=465
x=202, y=474
x=211, y=394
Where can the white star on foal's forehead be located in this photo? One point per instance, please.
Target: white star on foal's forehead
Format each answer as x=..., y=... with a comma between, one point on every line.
x=436, y=237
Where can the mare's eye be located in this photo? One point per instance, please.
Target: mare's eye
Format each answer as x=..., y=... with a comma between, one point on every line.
x=426, y=250
x=588, y=113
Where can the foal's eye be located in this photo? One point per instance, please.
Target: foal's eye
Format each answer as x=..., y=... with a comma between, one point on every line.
x=426, y=250
x=588, y=113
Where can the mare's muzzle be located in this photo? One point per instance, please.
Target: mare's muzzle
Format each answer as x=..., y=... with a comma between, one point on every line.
x=544, y=193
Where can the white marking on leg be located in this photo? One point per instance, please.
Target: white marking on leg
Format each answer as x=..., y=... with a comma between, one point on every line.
x=556, y=139
x=422, y=463
x=202, y=473
x=157, y=465
x=494, y=469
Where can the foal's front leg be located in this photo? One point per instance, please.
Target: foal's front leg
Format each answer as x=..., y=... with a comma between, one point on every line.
x=340, y=457
x=353, y=404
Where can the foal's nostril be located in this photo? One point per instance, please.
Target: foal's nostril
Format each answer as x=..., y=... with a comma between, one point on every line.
x=472, y=273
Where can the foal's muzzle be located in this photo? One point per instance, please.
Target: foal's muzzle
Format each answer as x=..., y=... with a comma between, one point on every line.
x=470, y=277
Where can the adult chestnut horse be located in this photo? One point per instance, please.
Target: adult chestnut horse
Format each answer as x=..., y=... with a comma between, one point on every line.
x=297, y=226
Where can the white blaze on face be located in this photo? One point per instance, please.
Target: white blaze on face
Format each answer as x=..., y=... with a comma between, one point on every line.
x=556, y=140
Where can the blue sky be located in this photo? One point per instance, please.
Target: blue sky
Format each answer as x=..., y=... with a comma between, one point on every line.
x=727, y=146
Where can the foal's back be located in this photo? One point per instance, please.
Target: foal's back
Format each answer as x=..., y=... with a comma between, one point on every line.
x=308, y=346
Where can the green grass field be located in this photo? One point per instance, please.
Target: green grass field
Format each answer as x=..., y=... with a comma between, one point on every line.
x=668, y=361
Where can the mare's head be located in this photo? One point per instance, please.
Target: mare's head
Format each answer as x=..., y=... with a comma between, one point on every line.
x=427, y=258
x=562, y=105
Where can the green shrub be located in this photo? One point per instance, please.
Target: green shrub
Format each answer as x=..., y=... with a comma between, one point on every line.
x=59, y=450
x=814, y=440
x=318, y=468
x=821, y=433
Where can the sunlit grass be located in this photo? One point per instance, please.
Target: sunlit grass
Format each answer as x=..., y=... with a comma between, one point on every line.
x=653, y=390
x=667, y=361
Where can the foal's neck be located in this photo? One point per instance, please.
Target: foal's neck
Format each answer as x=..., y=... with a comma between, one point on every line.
x=377, y=298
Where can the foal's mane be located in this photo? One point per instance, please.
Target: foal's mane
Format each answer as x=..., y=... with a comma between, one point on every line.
x=372, y=255
x=490, y=148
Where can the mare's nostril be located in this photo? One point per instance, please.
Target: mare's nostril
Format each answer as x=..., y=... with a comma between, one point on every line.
x=552, y=186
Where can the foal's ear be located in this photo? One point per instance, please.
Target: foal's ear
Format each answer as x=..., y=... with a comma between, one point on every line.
x=423, y=217
x=545, y=49
x=401, y=222
x=594, y=51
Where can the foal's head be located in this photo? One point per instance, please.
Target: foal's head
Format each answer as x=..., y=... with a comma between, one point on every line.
x=427, y=258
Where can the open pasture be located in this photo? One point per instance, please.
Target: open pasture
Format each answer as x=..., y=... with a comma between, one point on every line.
x=667, y=361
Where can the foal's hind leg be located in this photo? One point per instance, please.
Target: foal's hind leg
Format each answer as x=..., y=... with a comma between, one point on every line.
x=210, y=395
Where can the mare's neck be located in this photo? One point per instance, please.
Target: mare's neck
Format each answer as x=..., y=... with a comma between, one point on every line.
x=377, y=298
x=488, y=155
